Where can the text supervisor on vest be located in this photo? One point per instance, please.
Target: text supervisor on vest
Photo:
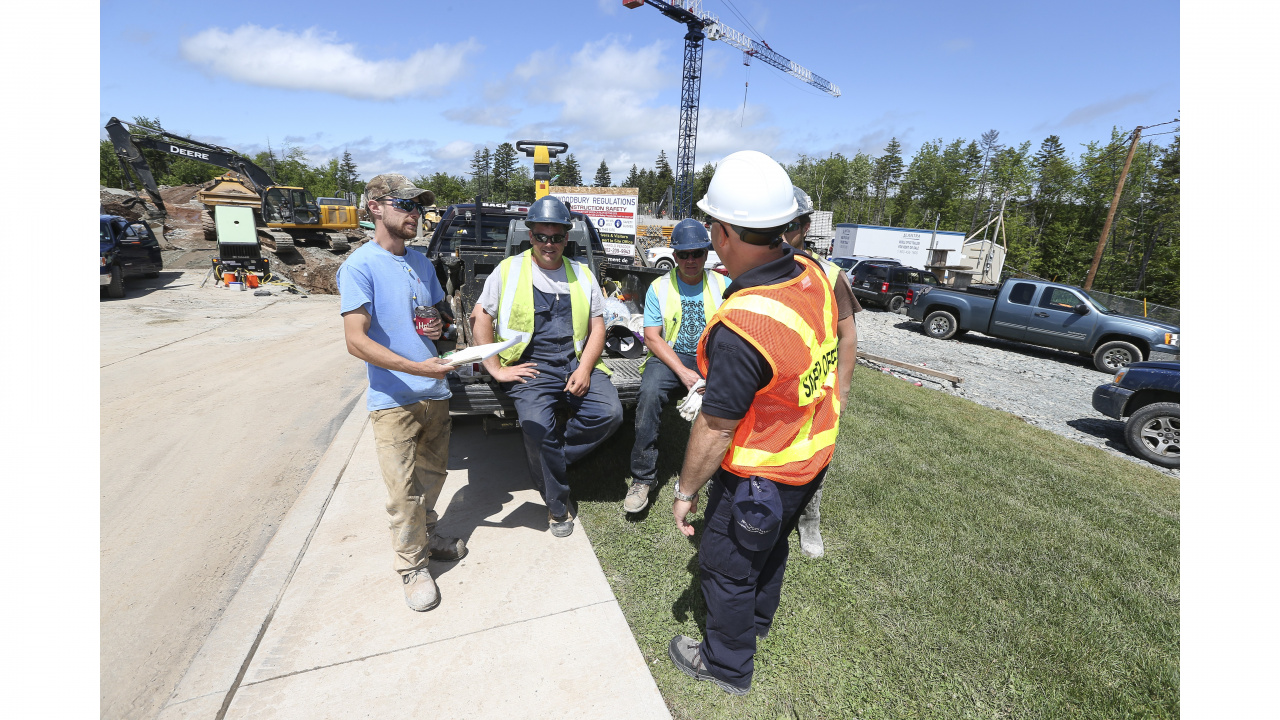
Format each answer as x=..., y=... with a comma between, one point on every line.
x=552, y=306
x=767, y=427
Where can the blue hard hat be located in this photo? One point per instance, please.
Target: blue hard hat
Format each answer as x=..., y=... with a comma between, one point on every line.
x=549, y=209
x=689, y=234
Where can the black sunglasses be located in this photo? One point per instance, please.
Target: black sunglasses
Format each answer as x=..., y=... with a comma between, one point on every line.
x=550, y=239
x=408, y=206
x=690, y=254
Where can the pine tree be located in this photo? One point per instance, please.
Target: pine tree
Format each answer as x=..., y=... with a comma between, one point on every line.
x=602, y=178
x=886, y=176
x=505, y=162
x=347, y=173
x=633, y=177
x=665, y=176
x=572, y=173
x=481, y=171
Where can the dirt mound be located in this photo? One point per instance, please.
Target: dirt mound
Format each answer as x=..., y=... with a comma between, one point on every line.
x=314, y=269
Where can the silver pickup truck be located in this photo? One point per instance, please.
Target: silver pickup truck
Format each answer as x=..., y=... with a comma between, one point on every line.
x=1043, y=313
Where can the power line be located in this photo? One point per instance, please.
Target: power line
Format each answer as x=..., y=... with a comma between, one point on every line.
x=734, y=10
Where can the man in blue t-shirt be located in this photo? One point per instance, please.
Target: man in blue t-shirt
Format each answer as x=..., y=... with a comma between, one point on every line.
x=388, y=292
x=675, y=313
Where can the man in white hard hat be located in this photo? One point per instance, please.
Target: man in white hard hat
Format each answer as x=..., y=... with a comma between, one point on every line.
x=847, y=304
x=767, y=428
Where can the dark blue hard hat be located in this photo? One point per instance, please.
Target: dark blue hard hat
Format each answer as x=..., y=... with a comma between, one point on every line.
x=549, y=209
x=689, y=234
x=757, y=513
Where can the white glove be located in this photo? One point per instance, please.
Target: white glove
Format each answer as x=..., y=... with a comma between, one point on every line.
x=692, y=403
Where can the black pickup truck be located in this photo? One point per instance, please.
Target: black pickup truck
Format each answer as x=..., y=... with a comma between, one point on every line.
x=466, y=247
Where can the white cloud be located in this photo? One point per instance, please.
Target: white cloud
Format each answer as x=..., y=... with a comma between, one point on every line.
x=606, y=102
x=315, y=60
x=1089, y=113
x=491, y=115
x=957, y=44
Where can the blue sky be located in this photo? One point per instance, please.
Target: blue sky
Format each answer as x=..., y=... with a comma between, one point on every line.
x=418, y=87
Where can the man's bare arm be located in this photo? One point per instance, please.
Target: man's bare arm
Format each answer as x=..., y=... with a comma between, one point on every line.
x=658, y=346
x=355, y=327
x=709, y=440
x=482, y=333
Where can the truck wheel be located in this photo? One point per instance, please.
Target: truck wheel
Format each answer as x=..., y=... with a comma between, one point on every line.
x=116, y=288
x=940, y=325
x=1111, y=356
x=664, y=264
x=1152, y=433
x=895, y=303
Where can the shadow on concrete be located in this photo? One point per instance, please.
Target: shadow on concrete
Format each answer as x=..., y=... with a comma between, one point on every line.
x=139, y=286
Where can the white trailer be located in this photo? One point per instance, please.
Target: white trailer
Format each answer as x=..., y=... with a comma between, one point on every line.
x=910, y=246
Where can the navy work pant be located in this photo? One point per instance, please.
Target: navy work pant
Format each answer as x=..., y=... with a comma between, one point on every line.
x=742, y=588
x=656, y=386
x=550, y=447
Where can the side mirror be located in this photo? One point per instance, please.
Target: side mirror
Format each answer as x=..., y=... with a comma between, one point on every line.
x=1082, y=309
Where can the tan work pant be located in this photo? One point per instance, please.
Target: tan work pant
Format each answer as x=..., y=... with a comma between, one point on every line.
x=413, y=452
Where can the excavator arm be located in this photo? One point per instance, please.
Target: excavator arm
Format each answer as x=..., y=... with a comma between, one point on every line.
x=131, y=158
x=166, y=142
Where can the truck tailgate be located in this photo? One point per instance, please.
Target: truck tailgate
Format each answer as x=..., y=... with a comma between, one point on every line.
x=486, y=398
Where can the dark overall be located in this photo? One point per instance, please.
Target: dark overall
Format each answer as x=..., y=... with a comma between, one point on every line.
x=549, y=448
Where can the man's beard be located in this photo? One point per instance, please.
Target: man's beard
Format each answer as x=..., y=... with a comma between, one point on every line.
x=398, y=232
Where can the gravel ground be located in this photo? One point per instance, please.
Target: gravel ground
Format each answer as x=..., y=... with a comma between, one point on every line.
x=1047, y=388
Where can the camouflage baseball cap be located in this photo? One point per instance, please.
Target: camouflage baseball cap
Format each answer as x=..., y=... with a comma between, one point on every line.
x=395, y=185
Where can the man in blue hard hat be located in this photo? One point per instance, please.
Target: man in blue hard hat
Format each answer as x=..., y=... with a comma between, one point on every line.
x=553, y=308
x=676, y=309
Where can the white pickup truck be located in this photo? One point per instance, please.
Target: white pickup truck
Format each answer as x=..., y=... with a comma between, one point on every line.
x=664, y=258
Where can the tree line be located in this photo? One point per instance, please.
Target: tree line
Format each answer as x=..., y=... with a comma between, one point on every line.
x=1054, y=204
x=289, y=166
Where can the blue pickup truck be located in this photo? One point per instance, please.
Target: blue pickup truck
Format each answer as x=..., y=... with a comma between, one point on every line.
x=1148, y=394
x=1043, y=313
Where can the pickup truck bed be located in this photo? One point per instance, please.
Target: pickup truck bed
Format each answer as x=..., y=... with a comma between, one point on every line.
x=474, y=396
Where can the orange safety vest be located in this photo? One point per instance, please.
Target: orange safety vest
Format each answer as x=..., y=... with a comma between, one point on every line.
x=789, y=434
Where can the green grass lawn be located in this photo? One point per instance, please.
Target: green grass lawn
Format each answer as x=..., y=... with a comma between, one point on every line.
x=976, y=567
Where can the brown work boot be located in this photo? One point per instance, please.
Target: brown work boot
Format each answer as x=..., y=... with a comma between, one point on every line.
x=420, y=591
x=637, y=497
x=446, y=549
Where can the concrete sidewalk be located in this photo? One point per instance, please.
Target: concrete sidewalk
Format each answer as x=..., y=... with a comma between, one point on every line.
x=527, y=626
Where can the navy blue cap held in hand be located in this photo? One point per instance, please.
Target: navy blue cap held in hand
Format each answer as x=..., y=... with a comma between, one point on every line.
x=757, y=513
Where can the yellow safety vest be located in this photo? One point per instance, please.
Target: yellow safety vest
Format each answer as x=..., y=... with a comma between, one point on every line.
x=670, y=307
x=831, y=269
x=515, y=308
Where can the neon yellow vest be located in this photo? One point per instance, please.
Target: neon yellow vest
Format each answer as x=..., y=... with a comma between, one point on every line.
x=668, y=291
x=515, y=308
x=831, y=269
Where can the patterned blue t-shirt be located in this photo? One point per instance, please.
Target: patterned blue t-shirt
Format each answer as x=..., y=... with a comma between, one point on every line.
x=692, y=317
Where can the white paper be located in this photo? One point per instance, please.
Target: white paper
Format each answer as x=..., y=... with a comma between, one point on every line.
x=477, y=353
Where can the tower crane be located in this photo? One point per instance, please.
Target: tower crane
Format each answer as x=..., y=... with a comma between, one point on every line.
x=704, y=25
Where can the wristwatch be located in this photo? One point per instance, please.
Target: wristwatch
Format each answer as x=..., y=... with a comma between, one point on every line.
x=682, y=496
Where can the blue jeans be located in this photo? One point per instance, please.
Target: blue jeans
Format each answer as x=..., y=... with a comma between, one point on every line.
x=655, y=387
x=549, y=447
x=742, y=588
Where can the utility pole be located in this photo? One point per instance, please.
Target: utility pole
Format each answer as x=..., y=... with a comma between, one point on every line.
x=1111, y=213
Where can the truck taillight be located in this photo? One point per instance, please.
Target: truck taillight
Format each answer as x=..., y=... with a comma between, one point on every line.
x=884, y=287
x=911, y=296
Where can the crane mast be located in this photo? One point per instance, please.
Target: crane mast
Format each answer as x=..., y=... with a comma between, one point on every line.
x=701, y=26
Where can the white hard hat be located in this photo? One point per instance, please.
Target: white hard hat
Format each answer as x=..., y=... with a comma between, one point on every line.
x=750, y=189
x=804, y=205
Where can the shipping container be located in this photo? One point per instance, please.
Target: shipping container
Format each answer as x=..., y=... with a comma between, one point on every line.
x=914, y=247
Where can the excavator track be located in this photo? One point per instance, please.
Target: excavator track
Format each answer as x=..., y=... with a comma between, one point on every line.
x=276, y=241
x=338, y=243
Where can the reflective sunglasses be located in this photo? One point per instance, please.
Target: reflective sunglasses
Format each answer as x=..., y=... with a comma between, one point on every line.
x=690, y=254
x=550, y=239
x=408, y=206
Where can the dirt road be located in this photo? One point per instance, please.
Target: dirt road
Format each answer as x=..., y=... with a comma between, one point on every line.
x=216, y=406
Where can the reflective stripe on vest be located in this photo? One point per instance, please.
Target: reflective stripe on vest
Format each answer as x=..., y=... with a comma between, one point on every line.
x=515, y=308
x=831, y=269
x=789, y=432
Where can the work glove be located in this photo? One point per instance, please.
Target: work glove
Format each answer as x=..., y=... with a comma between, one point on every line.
x=692, y=403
